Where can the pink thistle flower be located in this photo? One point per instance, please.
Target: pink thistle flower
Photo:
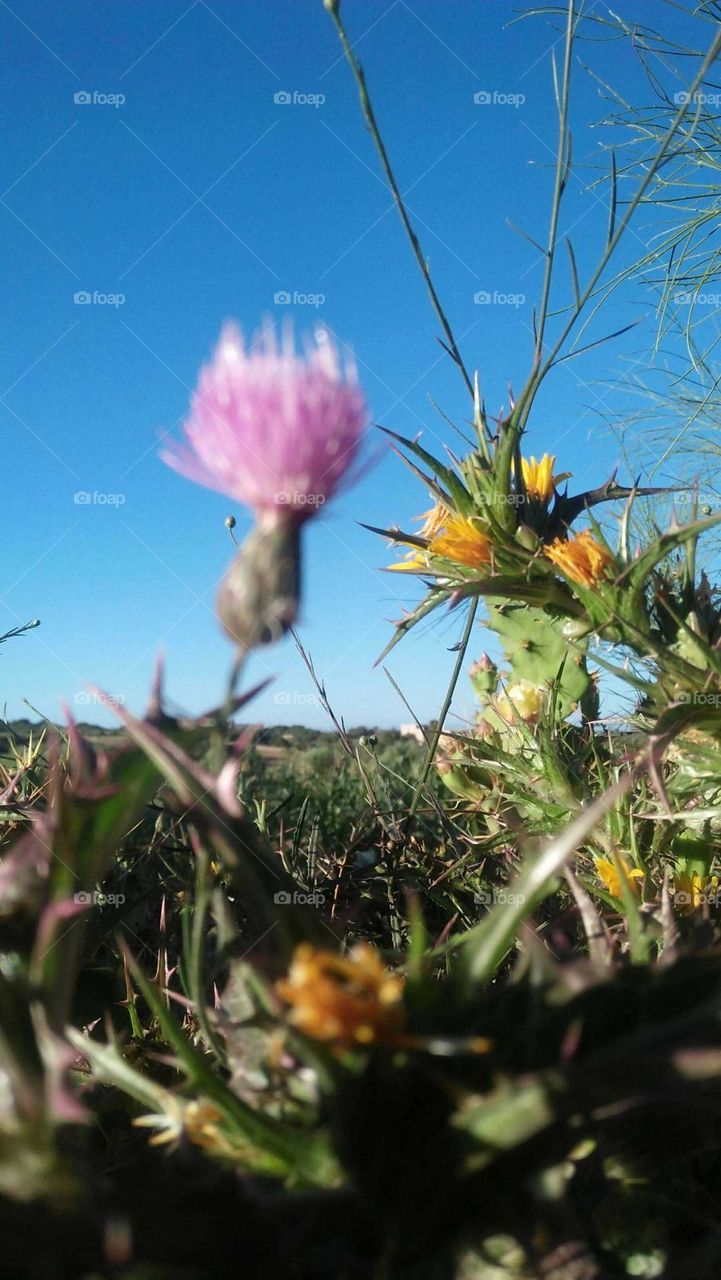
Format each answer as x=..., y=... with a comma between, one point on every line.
x=270, y=428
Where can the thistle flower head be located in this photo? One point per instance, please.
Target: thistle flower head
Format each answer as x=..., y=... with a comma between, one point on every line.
x=462, y=542
x=582, y=559
x=449, y=537
x=348, y=1000
x=538, y=478
x=269, y=428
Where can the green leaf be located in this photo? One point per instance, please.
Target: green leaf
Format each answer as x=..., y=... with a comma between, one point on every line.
x=460, y=495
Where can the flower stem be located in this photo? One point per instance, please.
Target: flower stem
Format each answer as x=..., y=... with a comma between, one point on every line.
x=369, y=114
x=433, y=744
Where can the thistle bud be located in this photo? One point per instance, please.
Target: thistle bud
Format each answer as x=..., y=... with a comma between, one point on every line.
x=259, y=596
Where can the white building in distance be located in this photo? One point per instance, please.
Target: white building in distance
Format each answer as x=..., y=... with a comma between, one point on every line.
x=412, y=731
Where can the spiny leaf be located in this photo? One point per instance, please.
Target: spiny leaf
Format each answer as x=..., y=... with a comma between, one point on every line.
x=432, y=601
x=455, y=487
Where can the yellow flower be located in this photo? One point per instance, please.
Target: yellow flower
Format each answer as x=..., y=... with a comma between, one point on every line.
x=451, y=537
x=692, y=891
x=538, y=478
x=414, y=561
x=348, y=1000
x=523, y=699
x=582, y=559
x=611, y=880
x=462, y=542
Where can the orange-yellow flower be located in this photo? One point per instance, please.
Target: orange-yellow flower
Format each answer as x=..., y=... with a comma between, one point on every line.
x=538, y=478
x=462, y=542
x=414, y=561
x=450, y=537
x=582, y=559
x=346, y=1000
x=610, y=879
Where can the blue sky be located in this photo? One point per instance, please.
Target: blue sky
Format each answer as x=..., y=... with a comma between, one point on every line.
x=185, y=189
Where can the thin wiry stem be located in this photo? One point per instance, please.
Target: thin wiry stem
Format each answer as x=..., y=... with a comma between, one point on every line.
x=369, y=114
x=540, y=371
x=561, y=176
x=433, y=744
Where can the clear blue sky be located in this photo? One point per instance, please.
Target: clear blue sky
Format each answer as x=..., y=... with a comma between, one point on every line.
x=200, y=197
